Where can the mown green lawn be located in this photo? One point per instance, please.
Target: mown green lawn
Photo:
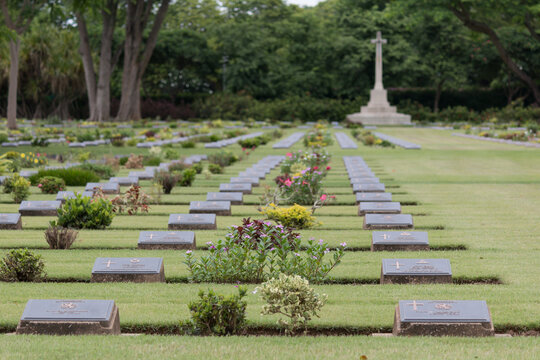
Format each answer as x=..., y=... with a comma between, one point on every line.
x=477, y=200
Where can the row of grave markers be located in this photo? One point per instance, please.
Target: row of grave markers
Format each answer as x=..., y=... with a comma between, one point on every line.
x=412, y=317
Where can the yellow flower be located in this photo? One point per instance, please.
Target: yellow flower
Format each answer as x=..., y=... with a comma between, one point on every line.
x=272, y=205
x=36, y=161
x=22, y=155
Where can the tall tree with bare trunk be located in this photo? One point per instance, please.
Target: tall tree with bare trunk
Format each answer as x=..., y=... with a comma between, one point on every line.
x=137, y=53
x=17, y=18
x=98, y=87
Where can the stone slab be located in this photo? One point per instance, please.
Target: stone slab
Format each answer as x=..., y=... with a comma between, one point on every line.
x=70, y=317
x=10, y=222
x=379, y=208
x=141, y=175
x=125, y=181
x=235, y=198
x=254, y=181
x=244, y=188
x=39, y=208
x=192, y=222
x=416, y=271
x=140, y=270
x=442, y=318
x=222, y=208
x=162, y=240
x=399, y=241
x=107, y=188
x=62, y=196
x=373, y=197
x=391, y=221
x=364, y=180
x=379, y=188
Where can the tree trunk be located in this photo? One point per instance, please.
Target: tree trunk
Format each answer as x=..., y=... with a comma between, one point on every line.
x=438, y=92
x=88, y=65
x=103, y=96
x=14, y=46
x=135, y=63
x=464, y=16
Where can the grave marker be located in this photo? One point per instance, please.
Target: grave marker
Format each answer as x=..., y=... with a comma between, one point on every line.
x=160, y=240
x=222, y=208
x=244, y=188
x=39, y=208
x=70, y=317
x=392, y=221
x=140, y=270
x=373, y=197
x=235, y=198
x=416, y=271
x=192, y=222
x=363, y=188
x=10, y=222
x=399, y=241
x=379, y=208
x=442, y=318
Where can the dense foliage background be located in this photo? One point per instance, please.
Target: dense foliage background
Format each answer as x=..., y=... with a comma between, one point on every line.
x=238, y=58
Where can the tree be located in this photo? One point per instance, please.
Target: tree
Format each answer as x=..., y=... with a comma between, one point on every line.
x=486, y=16
x=137, y=53
x=98, y=91
x=17, y=18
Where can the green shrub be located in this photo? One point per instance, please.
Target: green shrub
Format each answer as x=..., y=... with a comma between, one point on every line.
x=223, y=158
x=296, y=216
x=189, y=144
x=40, y=142
x=103, y=171
x=3, y=138
x=167, y=180
x=188, y=176
x=9, y=183
x=197, y=167
x=59, y=237
x=216, y=314
x=123, y=160
x=250, y=143
x=171, y=154
x=51, y=185
x=72, y=176
x=22, y=265
x=215, y=169
x=20, y=188
x=85, y=213
x=291, y=296
x=151, y=161
x=178, y=166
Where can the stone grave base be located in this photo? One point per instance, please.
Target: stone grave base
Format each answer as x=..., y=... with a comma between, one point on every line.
x=416, y=279
x=131, y=277
x=17, y=226
x=381, y=211
x=389, y=118
x=441, y=329
x=399, y=247
x=166, y=246
x=245, y=192
x=40, y=212
x=205, y=211
x=386, y=226
x=192, y=226
x=110, y=327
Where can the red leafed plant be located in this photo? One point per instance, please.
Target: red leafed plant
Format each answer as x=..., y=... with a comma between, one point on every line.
x=133, y=201
x=254, y=230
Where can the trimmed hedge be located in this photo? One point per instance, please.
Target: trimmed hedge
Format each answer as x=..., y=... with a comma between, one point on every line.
x=72, y=177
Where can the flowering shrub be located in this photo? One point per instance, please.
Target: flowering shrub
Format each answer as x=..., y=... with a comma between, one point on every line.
x=255, y=231
x=318, y=137
x=27, y=160
x=238, y=258
x=132, y=201
x=303, y=187
x=291, y=296
x=296, y=216
x=51, y=184
x=135, y=162
x=319, y=158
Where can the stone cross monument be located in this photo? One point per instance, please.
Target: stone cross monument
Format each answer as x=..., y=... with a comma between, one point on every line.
x=378, y=111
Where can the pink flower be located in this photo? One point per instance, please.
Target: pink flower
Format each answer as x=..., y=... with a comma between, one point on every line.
x=315, y=167
x=288, y=154
x=288, y=182
x=39, y=185
x=328, y=168
x=343, y=244
x=323, y=197
x=189, y=252
x=304, y=182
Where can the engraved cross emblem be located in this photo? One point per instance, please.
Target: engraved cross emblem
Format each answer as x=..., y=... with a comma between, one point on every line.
x=397, y=265
x=108, y=263
x=68, y=305
x=415, y=305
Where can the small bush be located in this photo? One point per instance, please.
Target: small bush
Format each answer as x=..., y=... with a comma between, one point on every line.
x=132, y=201
x=151, y=161
x=178, y=166
x=85, y=213
x=118, y=140
x=222, y=158
x=197, y=167
x=134, y=162
x=216, y=314
x=171, y=154
x=72, y=176
x=167, y=180
x=190, y=144
x=188, y=176
x=103, y=171
x=291, y=296
x=296, y=216
x=22, y=265
x=51, y=185
x=123, y=160
x=60, y=238
x=21, y=189
x=215, y=169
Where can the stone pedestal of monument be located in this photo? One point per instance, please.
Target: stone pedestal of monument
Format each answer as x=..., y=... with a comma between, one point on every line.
x=378, y=111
